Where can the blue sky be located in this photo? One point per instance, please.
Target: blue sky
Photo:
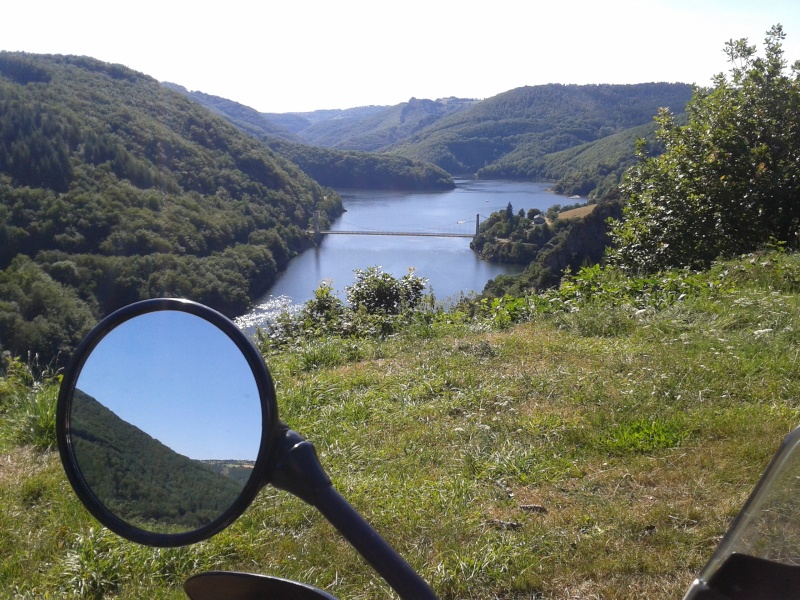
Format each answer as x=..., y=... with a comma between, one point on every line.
x=182, y=381
x=312, y=54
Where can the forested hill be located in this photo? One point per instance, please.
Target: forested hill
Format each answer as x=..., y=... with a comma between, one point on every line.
x=510, y=135
x=114, y=188
x=140, y=479
x=590, y=169
x=351, y=169
x=332, y=146
x=549, y=132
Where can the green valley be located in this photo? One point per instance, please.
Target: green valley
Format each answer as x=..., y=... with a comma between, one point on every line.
x=116, y=188
x=594, y=439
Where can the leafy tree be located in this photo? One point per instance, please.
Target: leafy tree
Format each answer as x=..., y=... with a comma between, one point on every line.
x=375, y=291
x=729, y=180
x=552, y=212
x=39, y=314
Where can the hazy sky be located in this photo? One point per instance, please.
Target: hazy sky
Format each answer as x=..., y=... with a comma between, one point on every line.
x=299, y=55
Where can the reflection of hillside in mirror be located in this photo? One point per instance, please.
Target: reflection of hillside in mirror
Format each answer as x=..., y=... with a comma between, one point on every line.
x=180, y=379
x=238, y=470
x=144, y=482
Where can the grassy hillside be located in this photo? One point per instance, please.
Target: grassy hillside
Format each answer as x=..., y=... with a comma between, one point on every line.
x=591, y=443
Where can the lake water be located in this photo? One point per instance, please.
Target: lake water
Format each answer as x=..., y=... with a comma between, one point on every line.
x=448, y=263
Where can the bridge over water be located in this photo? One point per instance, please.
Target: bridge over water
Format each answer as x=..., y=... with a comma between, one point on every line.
x=318, y=233
x=405, y=233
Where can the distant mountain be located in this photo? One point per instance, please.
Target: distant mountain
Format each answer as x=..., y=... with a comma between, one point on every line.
x=298, y=122
x=245, y=118
x=238, y=470
x=374, y=128
x=581, y=137
x=316, y=142
x=519, y=127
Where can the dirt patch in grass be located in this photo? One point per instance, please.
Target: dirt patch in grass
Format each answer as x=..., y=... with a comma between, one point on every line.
x=577, y=213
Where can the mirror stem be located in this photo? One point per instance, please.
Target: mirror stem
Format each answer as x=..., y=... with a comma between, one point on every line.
x=299, y=472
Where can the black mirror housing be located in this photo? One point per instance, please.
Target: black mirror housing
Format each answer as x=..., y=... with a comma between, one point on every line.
x=113, y=463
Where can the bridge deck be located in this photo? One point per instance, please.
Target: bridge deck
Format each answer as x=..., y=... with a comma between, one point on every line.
x=404, y=233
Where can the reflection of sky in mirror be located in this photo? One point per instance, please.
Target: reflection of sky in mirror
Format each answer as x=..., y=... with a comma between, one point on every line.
x=182, y=381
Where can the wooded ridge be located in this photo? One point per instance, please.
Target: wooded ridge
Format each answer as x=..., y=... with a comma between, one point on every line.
x=329, y=159
x=114, y=188
x=524, y=133
x=141, y=479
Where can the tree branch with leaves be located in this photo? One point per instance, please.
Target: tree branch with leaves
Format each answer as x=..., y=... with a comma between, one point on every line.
x=729, y=180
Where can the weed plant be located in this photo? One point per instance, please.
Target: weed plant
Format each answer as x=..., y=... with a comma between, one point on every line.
x=28, y=394
x=591, y=442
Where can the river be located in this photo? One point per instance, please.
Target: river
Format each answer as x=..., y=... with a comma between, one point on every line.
x=451, y=268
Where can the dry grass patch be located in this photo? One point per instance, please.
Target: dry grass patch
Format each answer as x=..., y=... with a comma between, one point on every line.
x=623, y=587
x=577, y=213
x=20, y=463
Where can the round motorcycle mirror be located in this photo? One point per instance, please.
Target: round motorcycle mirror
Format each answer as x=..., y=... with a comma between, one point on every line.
x=166, y=443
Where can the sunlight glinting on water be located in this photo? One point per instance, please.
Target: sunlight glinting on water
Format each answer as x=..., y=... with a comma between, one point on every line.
x=266, y=312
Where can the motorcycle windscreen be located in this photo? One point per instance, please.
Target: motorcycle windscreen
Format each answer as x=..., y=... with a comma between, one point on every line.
x=759, y=557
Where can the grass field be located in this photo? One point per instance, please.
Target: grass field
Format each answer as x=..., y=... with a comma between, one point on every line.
x=577, y=213
x=593, y=452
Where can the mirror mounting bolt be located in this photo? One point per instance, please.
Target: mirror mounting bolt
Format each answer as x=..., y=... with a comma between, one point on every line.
x=297, y=469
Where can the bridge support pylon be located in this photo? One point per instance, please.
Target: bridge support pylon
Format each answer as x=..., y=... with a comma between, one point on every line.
x=317, y=234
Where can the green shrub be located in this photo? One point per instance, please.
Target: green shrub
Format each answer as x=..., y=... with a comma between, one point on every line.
x=377, y=292
x=29, y=396
x=504, y=312
x=379, y=304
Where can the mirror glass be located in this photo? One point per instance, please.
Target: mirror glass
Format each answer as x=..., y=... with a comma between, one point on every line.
x=165, y=422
